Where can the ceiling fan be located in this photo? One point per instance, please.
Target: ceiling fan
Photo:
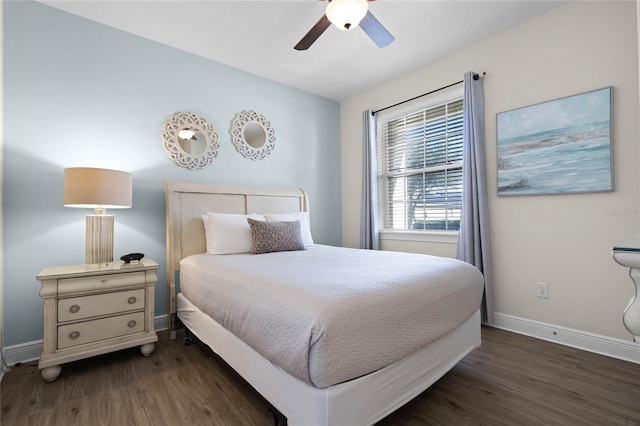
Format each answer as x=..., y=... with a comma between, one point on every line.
x=346, y=15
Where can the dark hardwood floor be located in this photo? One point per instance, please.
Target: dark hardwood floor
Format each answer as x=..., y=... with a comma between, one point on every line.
x=510, y=380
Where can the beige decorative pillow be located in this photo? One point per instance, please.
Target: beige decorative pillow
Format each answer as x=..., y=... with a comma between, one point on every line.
x=275, y=236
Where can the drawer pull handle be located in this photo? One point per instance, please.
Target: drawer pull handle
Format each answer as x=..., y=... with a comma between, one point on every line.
x=74, y=309
x=131, y=323
x=132, y=300
x=74, y=335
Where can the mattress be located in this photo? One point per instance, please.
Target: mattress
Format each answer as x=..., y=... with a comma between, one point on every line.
x=327, y=315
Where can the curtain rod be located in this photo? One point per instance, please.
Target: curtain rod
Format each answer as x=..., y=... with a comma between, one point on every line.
x=475, y=77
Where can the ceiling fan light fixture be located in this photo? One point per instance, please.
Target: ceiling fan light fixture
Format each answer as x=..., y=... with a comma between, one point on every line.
x=346, y=14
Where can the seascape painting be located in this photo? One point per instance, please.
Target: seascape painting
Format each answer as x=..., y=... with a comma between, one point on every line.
x=556, y=147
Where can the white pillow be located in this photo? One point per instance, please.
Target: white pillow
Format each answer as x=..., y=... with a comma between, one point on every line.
x=305, y=224
x=228, y=233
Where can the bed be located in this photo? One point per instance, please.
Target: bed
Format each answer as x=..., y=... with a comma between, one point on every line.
x=336, y=384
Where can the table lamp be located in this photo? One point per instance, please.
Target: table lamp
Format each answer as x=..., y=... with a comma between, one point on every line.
x=99, y=189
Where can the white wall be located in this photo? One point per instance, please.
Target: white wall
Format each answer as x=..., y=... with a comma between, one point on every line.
x=564, y=240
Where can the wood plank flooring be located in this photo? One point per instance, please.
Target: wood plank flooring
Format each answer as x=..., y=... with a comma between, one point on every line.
x=510, y=380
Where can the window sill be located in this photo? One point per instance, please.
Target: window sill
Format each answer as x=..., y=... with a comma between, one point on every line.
x=443, y=237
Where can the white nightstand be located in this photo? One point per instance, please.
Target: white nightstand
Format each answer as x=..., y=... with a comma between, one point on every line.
x=94, y=309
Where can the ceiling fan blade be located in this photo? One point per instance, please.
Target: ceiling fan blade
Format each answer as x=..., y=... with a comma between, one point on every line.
x=313, y=34
x=375, y=30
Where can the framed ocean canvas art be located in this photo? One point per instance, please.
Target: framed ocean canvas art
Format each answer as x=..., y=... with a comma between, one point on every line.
x=556, y=147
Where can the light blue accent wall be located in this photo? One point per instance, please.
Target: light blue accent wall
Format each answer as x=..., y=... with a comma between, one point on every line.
x=77, y=93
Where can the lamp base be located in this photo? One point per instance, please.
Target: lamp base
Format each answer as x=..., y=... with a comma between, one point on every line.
x=99, y=244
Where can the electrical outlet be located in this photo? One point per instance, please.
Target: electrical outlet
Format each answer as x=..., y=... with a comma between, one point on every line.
x=542, y=290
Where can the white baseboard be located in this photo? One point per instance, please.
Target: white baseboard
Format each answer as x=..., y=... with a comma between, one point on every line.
x=603, y=345
x=31, y=351
x=23, y=352
x=160, y=322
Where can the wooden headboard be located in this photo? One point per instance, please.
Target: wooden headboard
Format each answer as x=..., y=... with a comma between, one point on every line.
x=186, y=202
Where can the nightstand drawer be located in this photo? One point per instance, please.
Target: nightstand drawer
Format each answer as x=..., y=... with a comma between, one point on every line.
x=100, y=282
x=101, y=329
x=100, y=304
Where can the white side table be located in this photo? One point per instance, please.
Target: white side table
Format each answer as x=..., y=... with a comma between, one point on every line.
x=94, y=309
x=627, y=253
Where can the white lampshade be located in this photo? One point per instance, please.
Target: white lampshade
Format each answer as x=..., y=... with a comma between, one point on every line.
x=99, y=189
x=346, y=14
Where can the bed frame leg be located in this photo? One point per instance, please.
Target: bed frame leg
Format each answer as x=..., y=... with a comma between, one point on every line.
x=277, y=417
x=187, y=337
x=187, y=334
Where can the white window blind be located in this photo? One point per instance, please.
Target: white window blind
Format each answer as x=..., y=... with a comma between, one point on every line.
x=420, y=168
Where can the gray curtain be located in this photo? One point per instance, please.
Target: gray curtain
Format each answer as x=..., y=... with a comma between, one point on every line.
x=369, y=230
x=474, y=240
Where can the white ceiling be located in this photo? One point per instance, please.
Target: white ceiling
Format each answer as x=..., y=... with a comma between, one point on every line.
x=258, y=36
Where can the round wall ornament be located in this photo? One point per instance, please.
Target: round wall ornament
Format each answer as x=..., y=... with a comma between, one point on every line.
x=190, y=140
x=252, y=135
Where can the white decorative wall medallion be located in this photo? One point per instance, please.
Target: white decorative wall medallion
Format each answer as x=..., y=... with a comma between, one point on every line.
x=189, y=140
x=252, y=135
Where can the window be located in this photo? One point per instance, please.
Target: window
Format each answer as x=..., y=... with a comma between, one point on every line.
x=420, y=167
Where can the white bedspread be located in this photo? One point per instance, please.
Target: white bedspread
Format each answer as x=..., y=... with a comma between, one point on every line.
x=327, y=314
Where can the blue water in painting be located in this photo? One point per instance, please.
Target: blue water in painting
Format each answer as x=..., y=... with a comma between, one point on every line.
x=576, y=159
